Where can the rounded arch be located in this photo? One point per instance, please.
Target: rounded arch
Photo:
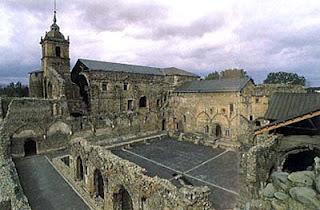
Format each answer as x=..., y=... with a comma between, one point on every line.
x=122, y=199
x=59, y=126
x=98, y=183
x=32, y=130
x=299, y=159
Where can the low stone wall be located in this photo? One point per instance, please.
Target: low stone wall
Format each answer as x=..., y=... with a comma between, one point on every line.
x=151, y=192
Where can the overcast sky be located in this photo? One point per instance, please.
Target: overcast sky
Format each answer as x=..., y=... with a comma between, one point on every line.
x=201, y=36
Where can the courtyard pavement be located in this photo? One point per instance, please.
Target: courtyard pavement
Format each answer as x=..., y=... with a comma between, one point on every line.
x=199, y=165
x=44, y=187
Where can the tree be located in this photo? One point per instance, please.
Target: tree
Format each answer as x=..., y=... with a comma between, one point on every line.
x=227, y=74
x=284, y=78
x=212, y=76
x=14, y=90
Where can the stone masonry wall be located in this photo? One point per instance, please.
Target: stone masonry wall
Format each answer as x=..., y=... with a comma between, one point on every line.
x=151, y=193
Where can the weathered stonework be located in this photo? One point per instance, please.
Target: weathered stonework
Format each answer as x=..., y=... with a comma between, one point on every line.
x=144, y=192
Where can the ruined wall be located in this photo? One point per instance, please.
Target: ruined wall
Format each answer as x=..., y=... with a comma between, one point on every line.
x=43, y=121
x=145, y=192
x=36, y=84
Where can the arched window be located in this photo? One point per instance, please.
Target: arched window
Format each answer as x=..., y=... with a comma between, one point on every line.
x=58, y=52
x=79, y=169
x=98, y=184
x=143, y=101
x=122, y=200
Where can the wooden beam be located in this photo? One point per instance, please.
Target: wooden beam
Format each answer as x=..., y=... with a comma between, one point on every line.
x=287, y=122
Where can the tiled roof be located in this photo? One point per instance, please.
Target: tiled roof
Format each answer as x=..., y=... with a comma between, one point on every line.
x=119, y=67
x=284, y=106
x=208, y=86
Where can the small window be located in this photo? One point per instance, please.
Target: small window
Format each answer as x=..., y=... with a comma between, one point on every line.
x=223, y=110
x=104, y=87
x=58, y=52
x=143, y=101
x=130, y=105
x=257, y=100
x=211, y=111
x=206, y=129
x=184, y=119
x=231, y=108
x=125, y=86
x=251, y=117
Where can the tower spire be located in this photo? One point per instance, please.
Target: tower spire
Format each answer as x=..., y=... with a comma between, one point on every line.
x=55, y=11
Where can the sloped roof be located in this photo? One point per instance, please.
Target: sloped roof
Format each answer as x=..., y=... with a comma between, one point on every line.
x=136, y=69
x=208, y=86
x=284, y=106
x=176, y=71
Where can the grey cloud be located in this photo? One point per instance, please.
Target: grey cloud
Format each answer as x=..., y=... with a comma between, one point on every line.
x=116, y=15
x=195, y=29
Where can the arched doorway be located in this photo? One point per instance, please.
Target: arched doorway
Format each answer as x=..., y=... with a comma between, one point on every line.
x=30, y=147
x=98, y=184
x=143, y=101
x=80, y=174
x=218, y=131
x=122, y=200
x=300, y=161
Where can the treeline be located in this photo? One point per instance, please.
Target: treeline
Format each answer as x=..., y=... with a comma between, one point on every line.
x=14, y=90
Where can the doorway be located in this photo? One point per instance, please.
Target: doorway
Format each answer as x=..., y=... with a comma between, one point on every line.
x=30, y=147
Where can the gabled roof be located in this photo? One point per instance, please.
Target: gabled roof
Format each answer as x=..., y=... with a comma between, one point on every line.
x=284, y=106
x=209, y=86
x=128, y=68
x=176, y=71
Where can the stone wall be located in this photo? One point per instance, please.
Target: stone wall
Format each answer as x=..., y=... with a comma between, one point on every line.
x=218, y=114
x=42, y=121
x=145, y=192
x=36, y=84
x=110, y=92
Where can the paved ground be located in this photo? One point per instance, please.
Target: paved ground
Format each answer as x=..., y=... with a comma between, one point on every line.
x=44, y=187
x=200, y=165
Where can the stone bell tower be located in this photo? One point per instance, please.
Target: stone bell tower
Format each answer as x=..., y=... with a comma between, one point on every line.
x=55, y=61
